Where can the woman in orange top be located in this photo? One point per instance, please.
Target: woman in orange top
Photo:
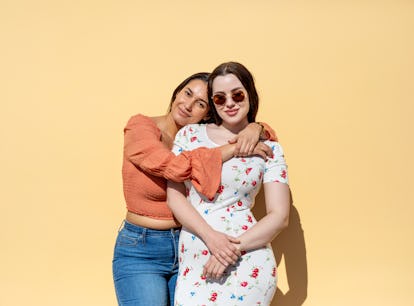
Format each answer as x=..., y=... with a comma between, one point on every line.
x=145, y=262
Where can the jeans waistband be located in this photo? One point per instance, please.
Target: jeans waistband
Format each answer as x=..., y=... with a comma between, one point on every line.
x=149, y=231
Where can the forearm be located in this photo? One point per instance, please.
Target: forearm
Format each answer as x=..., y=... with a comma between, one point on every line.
x=263, y=231
x=218, y=243
x=227, y=151
x=277, y=199
x=185, y=213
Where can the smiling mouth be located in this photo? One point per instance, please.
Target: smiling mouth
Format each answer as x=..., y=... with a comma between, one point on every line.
x=183, y=113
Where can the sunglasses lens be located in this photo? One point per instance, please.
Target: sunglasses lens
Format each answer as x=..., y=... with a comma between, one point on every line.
x=238, y=96
x=219, y=99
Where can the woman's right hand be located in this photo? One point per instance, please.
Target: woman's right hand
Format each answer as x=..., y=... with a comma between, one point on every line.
x=223, y=247
x=263, y=150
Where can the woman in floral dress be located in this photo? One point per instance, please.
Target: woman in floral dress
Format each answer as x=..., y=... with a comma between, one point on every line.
x=203, y=280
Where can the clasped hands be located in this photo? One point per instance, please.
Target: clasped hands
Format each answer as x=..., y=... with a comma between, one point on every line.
x=248, y=143
x=225, y=250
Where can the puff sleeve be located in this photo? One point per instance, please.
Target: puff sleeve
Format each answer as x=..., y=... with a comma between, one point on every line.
x=144, y=149
x=276, y=168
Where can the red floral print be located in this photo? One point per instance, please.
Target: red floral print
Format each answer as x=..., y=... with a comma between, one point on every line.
x=213, y=296
x=255, y=273
x=230, y=211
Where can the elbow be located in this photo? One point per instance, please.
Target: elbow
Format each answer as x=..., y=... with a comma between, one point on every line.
x=285, y=222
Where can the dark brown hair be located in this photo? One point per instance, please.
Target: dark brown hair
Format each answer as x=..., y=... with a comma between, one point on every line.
x=245, y=77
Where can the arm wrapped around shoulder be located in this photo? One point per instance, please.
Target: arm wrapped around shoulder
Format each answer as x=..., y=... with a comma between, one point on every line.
x=206, y=170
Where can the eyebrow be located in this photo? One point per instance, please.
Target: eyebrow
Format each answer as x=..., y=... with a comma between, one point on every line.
x=202, y=100
x=234, y=89
x=199, y=99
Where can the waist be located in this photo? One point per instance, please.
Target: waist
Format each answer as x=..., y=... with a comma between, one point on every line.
x=151, y=223
x=149, y=231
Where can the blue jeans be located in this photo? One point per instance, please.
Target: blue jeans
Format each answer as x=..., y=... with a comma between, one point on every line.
x=145, y=266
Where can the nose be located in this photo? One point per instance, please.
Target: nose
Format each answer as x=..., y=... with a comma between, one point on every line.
x=189, y=105
x=229, y=102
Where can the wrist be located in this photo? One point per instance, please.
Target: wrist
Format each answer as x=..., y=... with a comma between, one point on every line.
x=227, y=151
x=207, y=234
x=264, y=134
x=240, y=248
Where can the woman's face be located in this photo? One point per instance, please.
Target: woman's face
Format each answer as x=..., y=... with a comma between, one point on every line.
x=190, y=104
x=230, y=100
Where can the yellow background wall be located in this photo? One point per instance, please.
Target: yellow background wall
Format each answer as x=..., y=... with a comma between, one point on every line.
x=335, y=80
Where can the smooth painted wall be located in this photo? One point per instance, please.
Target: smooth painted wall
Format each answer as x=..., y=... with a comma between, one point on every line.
x=335, y=80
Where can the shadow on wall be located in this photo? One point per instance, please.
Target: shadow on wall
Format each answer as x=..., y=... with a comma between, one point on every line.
x=291, y=245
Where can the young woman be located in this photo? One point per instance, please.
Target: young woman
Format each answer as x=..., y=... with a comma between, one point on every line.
x=145, y=262
x=252, y=281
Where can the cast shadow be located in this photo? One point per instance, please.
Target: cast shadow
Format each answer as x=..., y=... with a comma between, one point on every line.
x=291, y=245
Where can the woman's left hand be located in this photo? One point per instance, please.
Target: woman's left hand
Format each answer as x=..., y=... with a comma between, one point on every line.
x=247, y=139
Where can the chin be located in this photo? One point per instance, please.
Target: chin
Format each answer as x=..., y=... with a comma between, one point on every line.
x=181, y=121
x=233, y=120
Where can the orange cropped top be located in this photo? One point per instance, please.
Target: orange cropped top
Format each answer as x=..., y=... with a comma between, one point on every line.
x=148, y=164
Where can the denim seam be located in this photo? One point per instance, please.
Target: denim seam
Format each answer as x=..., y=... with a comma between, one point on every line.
x=144, y=234
x=175, y=249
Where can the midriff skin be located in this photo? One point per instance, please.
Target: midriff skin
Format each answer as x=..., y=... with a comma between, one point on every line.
x=152, y=223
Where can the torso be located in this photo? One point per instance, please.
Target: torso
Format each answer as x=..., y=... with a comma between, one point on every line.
x=149, y=222
x=253, y=281
x=167, y=138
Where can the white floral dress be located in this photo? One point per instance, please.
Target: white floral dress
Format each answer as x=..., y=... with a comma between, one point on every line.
x=252, y=281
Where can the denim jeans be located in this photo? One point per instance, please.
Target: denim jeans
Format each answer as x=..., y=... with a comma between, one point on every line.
x=145, y=266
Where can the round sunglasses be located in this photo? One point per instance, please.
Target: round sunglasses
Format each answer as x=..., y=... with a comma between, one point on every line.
x=237, y=96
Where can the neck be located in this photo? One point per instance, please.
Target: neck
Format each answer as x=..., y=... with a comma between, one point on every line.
x=168, y=125
x=235, y=128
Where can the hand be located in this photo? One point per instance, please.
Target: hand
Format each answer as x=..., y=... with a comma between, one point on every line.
x=223, y=247
x=262, y=150
x=247, y=139
x=213, y=268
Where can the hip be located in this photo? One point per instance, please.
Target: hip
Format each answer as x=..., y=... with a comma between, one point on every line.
x=145, y=243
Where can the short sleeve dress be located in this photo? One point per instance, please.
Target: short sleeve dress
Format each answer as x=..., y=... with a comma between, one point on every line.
x=252, y=281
